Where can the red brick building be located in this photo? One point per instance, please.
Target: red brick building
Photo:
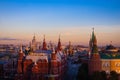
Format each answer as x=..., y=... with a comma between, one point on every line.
x=42, y=64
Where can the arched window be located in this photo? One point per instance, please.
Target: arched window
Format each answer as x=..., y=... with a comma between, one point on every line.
x=106, y=64
x=117, y=64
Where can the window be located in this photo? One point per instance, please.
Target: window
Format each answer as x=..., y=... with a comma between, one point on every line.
x=106, y=64
x=117, y=64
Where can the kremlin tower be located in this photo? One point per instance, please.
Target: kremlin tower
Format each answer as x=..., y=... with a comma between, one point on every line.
x=94, y=62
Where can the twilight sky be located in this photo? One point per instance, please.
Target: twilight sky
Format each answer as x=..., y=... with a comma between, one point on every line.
x=73, y=19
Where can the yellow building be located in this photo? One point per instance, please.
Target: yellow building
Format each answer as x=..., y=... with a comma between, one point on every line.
x=110, y=59
x=111, y=65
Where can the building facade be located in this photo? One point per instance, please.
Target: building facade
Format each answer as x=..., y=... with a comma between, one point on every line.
x=42, y=64
x=106, y=60
x=110, y=58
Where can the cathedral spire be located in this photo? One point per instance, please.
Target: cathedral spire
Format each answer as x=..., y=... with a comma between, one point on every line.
x=44, y=44
x=21, y=51
x=59, y=48
x=34, y=43
x=59, y=37
x=34, y=39
x=21, y=54
x=44, y=39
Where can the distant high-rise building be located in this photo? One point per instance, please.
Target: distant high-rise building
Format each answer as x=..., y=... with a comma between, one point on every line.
x=59, y=47
x=34, y=43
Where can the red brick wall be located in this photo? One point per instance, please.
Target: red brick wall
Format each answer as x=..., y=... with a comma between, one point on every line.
x=94, y=63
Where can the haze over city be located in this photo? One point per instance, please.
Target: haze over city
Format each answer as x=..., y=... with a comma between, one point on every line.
x=72, y=19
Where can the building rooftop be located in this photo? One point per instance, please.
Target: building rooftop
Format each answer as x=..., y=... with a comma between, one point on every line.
x=110, y=56
x=110, y=47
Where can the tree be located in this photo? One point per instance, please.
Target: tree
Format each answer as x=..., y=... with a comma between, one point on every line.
x=83, y=72
x=113, y=75
x=96, y=76
x=103, y=75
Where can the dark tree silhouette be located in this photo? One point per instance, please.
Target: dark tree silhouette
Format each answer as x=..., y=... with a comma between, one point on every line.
x=113, y=75
x=96, y=76
x=83, y=72
x=103, y=75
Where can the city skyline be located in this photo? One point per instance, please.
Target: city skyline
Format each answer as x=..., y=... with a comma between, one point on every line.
x=72, y=19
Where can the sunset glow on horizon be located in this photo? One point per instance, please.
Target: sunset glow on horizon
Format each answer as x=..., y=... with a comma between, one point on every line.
x=72, y=19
